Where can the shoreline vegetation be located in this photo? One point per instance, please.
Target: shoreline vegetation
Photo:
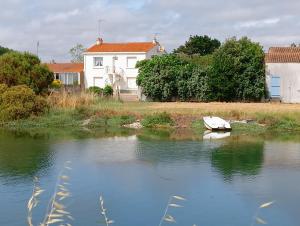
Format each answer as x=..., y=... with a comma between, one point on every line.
x=88, y=111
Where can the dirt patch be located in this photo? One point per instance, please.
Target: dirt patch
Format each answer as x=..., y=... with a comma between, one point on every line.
x=184, y=121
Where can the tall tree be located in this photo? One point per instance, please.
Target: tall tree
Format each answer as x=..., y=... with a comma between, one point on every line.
x=200, y=45
x=24, y=69
x=238, y=71
x=77, y=53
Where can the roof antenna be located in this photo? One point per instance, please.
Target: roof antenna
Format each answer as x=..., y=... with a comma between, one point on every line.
x=155, y=39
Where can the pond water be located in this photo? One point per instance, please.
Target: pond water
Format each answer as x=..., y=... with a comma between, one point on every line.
x=223, y=181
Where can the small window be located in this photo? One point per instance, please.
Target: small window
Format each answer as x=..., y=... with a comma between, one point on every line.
x=62, y=78
x=69, y=78
x=56, y=76
x=98, y=61
x=131, y=62
x=76, y=79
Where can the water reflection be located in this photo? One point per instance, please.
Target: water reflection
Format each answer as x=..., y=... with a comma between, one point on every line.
x=239, y=156
x=209, y=135
x=23, y=155
x=138, y=171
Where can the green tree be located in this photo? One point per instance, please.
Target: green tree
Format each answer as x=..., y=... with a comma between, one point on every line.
x=77, y=53
x=238, y=71
x=158, y=75
x=200, y=45
x=4, y=50
x=24, y=69
x=170, y=77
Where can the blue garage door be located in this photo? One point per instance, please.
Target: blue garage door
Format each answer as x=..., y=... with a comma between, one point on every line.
x=275, y=86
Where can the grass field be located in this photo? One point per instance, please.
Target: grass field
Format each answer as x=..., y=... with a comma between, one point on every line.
x=74, y=111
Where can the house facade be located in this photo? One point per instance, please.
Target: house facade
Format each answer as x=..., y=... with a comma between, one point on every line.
x=283, y=74
x=70, y=74
x=114, y=64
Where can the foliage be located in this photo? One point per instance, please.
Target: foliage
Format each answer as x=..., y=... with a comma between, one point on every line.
x=4, y=50
x=157, y=120
x=238, y=71
x=96, y=90
x=19, y=102
x=204, y=61
x=77, y=53
x=168, y=77
x=200, y=45
x=56, y=84
x=158, y=76
x=108, y=91
x=24, y=69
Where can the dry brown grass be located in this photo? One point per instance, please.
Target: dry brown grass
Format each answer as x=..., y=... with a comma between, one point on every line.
x=232, y=109
x=66, y=100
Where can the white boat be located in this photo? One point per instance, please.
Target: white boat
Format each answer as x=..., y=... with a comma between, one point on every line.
x=216, y=123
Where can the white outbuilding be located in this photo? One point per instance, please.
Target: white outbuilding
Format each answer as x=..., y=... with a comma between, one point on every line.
x=283, y=74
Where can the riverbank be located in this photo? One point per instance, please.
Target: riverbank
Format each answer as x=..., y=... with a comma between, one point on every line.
x=101, y=113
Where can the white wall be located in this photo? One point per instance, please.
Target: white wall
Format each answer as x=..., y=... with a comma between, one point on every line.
x=289, y=74
x=91, y=72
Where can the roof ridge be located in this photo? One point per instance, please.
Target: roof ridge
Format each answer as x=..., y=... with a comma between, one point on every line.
x=122, y=47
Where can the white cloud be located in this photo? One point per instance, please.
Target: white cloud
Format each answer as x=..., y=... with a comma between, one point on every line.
x=61, y=16
x=59, y=25
x=259, y=23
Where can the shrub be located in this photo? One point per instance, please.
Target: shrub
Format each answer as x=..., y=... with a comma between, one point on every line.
x=157, y=120
x=56, y=84
x=20, y=102
x=3, y=88
x=108, y=91
x=24, y=69
x=96, y=90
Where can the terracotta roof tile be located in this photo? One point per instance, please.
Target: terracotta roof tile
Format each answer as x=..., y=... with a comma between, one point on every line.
x=65, y=67
x=283, y=55
x=122, y=47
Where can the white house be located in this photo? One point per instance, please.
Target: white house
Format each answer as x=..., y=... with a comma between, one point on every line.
x=114, y=64
x=283, y=74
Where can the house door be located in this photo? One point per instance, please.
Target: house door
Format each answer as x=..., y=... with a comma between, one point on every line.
x=99, y=82
x=275, y=86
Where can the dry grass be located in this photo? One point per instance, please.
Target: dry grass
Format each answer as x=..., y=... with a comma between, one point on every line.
x=66, y=100
x=171, y=204
x=183, y=113
x=232, y=109
x=56, y=211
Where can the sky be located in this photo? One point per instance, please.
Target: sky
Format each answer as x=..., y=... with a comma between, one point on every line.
x=58, y=25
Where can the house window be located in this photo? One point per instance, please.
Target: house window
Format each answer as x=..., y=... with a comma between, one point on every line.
x=56, y=76
x=131, y=62
x=69, y=78
x=62, y=78
x=98, y=61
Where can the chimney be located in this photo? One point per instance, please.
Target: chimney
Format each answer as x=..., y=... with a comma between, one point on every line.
x=99, y=41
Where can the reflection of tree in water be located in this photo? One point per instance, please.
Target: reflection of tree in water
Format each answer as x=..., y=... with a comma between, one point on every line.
x=23, y=155
x=167, y=151
x=238, y=157
x=26, y=153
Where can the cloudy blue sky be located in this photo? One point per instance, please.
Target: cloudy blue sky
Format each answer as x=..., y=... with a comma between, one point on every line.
x=60, y=24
